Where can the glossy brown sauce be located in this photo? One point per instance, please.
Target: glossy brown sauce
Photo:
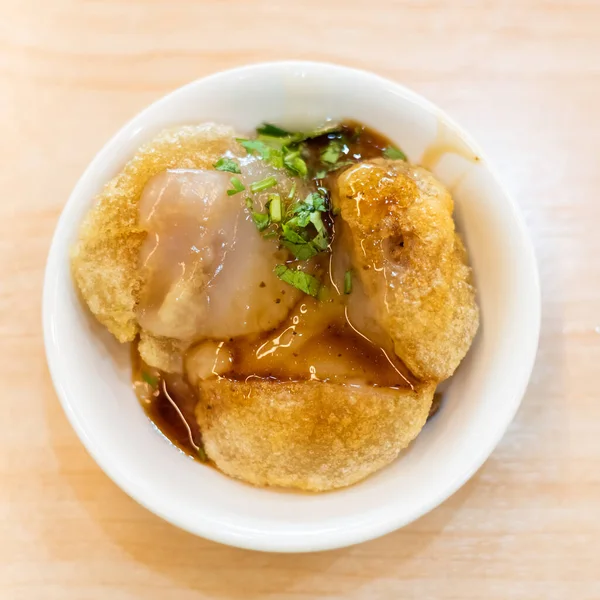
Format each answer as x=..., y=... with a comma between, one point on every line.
x=317, y=341
x=446, y=142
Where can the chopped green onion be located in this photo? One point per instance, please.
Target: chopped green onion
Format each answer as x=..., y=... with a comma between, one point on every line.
x=292, y=191
x=263, y=184
x=348, y=282
x=299, y=279
x=202, y=454
x=394, y=153
x=238, y=187
x=227, y=164
x=275, y=207
x=271, y=130
x=151, y=381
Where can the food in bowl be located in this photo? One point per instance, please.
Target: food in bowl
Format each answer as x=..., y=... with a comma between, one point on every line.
x=292, y=299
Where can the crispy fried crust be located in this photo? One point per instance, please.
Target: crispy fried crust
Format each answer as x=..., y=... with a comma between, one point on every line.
x=308, y=435
x=162, y=353
x=104, y=259
x=411, y=261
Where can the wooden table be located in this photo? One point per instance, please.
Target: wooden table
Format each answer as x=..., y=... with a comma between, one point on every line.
x=524, y=77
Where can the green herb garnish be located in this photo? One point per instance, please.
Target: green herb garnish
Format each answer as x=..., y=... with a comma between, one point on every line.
x=325, y=130
x=151, y=381
x=202, y=454
x=263, y=184
x=238, y=187
x=394, y=153
x=297, y=244
x=322, y=173
x=227, y=164
x=261, y=220
x=294, y=163
x=252, y=146
x=271, y=130
x=299, y=279
x=348, y=282
x=275, y=207
x=316, y=201
x=268, y=153
x=292, y=191
x=332, y=152
x=282, y=149
x=296, y=234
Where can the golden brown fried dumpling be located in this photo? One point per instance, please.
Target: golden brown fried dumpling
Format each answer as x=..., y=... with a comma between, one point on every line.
x=308, y=435
x=412, y=263
x=105, y=258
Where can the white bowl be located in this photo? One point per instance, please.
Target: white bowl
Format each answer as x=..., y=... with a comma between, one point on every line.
x=91, y=372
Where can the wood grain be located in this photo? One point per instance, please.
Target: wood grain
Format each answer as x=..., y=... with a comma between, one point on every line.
x=524, y=77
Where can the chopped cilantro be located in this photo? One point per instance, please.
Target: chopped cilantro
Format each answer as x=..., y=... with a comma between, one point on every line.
x=261, y=220
x=296, y=236
x=300, y=220
x=271, y=130
x=316, y=201
x=294, y=163
x=252, y=146
x=394, y=153
x=302, y=251
x=317, y=221
x=282, y=149
x=238, y=187
x=348, y=282
x=263, y=184
x=299, y=279
x=289, y=234
x=320, y=241
x=332, y=152
x=227, y=164
x=271, y=155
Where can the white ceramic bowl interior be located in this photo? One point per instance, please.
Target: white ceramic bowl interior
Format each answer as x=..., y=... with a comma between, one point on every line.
x=91, y=371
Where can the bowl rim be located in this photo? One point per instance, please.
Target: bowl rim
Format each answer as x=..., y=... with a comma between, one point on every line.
x=351, y=535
